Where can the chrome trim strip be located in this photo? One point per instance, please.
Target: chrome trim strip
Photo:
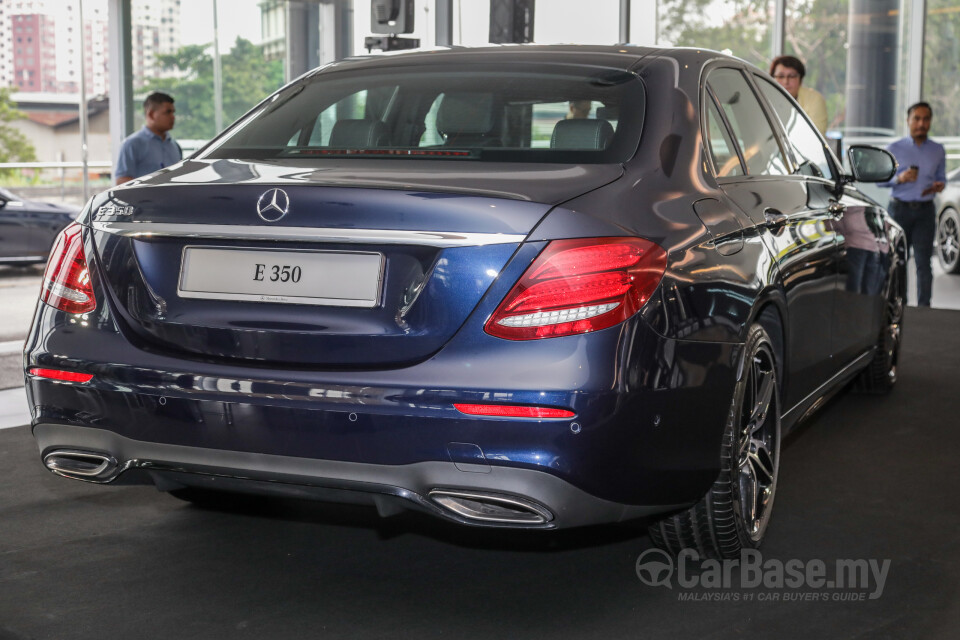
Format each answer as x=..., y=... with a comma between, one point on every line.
x=817, y=394
x=36, y=258
x=304, y=234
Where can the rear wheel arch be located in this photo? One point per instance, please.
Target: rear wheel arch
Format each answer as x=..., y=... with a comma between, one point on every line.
x=770, y=312
x=770, y=318
x=734, y=513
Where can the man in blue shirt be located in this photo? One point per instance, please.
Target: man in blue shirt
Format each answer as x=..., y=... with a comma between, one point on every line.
x=922, y=174
x=151, y=148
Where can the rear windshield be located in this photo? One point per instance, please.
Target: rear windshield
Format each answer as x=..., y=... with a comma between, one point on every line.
x=510, y=113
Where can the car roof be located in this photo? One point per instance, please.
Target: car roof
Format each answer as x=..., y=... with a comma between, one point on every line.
x=625, y=57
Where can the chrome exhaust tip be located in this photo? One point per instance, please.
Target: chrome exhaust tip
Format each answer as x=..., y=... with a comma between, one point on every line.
x=81, y=465
x=491, y=507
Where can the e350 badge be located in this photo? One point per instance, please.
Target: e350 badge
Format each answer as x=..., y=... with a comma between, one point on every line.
x=111, y=209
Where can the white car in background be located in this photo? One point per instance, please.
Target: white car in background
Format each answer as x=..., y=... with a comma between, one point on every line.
x=948, y=224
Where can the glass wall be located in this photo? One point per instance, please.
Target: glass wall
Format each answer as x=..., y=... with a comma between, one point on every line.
x=180, y=59
x=594, y=22
x=740, y=27
x=941, y=70
x=471, y=23
x=816, y=32
x=172, y=51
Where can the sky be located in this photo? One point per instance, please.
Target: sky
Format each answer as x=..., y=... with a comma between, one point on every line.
x=235, y=18
x=578, y=21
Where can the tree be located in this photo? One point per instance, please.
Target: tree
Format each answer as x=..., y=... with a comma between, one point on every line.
x=738, y=26
x=192, y=90
x=941, y=69
x=247, y=79
x=14, y=146
x=816, y=32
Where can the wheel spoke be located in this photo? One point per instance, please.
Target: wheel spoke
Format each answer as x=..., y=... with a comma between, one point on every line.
x=948, y=240
x=895, y=310
x=748, y=494
x=762, y=463
x=894, y=303
x=757, y=442
x=762, y=398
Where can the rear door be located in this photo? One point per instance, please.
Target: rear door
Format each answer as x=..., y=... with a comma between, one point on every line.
x=857, y=229
x=791, y=214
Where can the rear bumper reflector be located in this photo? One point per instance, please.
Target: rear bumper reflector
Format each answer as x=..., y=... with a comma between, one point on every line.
x=513, y=411
x=59, y=374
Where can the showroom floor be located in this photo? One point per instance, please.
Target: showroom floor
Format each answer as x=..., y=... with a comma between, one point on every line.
x=869, y=479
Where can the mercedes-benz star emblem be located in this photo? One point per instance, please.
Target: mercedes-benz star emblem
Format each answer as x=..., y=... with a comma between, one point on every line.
x=273, y=205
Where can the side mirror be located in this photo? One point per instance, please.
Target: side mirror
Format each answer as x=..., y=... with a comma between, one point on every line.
x=870, y=164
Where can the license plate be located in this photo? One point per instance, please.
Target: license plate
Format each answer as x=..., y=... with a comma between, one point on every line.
x=333, y=278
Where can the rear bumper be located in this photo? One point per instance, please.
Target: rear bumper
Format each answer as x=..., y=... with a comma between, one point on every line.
x=649, y=411
x=423, y=486
x=645, y=438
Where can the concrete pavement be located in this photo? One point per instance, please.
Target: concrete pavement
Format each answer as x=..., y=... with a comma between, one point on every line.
x=13, y=408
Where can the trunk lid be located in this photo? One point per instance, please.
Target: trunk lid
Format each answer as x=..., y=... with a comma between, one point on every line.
x=384, y=276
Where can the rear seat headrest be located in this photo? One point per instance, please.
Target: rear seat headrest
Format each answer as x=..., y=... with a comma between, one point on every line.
x=581, y=134
x=465, y=113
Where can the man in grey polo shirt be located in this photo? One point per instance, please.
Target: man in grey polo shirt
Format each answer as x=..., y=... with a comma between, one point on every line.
x=151, y=148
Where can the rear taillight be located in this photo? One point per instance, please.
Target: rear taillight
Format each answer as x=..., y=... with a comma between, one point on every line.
x=66, y=282
x=577, y=286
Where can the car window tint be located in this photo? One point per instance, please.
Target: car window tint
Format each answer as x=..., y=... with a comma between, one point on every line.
x=753, y=132
x=807, y=145
x=537, y=113
x=722, y=148
x=316, y=132
x=430, y=135
x=546, y=115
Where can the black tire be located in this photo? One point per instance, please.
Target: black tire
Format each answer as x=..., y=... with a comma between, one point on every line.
x=735, y=513
x=948, y=240
x=880, y=376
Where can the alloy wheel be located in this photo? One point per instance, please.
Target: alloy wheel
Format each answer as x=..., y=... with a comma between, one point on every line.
x=758, y=445
x=894, y=326
x=948, y=240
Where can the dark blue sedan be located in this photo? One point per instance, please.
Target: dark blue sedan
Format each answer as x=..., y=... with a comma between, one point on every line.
x=532, y=287
x=28, y=228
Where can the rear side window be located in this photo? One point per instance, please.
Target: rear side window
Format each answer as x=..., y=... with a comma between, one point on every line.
x=724, y=153
x=503, y=113
x=752, y=130
x=807, y=145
